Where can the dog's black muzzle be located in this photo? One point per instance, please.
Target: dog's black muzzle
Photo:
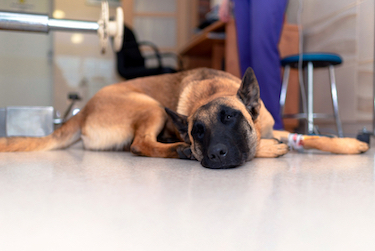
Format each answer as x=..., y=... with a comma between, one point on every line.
x=220, y=156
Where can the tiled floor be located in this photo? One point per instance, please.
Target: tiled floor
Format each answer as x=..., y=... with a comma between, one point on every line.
x=81, y=200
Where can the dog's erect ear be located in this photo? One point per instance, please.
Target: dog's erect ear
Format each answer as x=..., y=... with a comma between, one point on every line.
x=248, y=93
x=181, y=123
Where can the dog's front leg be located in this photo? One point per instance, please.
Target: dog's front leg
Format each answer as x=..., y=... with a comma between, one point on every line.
x=335, y=145
x=322, y=143
x=145, y=147
x=271, y=148
x=184, y=152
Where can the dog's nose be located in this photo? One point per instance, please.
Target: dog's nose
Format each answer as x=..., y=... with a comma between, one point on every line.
x=217, y=152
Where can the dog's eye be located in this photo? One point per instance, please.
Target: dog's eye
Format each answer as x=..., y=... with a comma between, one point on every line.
x=198, y=130
x=228, y=116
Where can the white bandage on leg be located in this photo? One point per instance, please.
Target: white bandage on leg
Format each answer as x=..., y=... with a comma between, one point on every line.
x=295, y=141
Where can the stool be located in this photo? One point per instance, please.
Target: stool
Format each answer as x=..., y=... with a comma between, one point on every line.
x=309, y=61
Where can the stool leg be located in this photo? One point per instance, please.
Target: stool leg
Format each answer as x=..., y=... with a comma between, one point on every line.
x=310, y=98
x=284, y=89
x=335, y=101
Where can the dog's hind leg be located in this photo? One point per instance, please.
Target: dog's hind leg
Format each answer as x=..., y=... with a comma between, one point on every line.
x=129, y=121
x=147, y=127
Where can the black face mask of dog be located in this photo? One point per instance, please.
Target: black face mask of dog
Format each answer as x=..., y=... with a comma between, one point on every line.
x=222, y=133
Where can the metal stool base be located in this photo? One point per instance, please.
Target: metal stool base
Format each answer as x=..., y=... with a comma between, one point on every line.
x=308, y=112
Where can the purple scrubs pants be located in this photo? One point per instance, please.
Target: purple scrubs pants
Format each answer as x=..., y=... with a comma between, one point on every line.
x=259, y=24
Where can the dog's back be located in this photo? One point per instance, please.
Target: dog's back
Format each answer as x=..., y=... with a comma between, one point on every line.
x=109, y=106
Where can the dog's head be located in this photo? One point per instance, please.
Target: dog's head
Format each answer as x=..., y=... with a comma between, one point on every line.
x=222, y=132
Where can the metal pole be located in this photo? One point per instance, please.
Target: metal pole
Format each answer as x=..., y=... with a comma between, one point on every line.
x=42, y=23
x=69, y=25
x=373, y=88
x=25, y=22
x=335, y=101
x=284, y=88
x=310, y=98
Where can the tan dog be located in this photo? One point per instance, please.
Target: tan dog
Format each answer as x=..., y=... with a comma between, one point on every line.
x=219, y=121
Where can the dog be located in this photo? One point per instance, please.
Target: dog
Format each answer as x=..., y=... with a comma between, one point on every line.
x=201, y=114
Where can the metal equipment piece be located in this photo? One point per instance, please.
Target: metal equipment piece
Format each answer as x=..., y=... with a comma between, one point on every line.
x=32, y=121
x=42, y=23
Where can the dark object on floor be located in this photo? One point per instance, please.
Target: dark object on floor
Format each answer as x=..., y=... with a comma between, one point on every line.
x=364, y=136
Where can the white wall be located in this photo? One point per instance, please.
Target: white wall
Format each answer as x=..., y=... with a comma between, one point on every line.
x=40, y=69
x=80, y=67
x=25, y=60
x=345, y=27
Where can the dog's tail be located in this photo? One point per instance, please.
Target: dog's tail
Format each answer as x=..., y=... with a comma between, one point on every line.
x=63, y=137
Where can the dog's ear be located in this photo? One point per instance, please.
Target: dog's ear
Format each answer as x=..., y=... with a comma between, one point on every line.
x=248, y=93
x=181, y=123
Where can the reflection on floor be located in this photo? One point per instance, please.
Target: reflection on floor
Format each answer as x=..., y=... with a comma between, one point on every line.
x=82, y=200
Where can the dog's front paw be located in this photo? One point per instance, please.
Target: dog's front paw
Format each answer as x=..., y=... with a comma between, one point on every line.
x=271, y=148
x=350, y=146
x=279, y=149
x=184, y=152
x=336, y=145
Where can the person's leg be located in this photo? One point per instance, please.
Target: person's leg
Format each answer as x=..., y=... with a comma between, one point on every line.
x=242, y=17
x=265, y=29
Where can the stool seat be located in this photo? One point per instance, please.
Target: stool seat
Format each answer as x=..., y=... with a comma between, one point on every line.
x=318, y=60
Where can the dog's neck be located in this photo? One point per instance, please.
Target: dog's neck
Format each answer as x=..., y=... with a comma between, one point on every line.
x=199, y=93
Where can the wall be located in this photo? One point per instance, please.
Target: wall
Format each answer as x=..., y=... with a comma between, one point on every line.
x=25, y=60
x=169, y=24
x=78, y=64
x=345, y=27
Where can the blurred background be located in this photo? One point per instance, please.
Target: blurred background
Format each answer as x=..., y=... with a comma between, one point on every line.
x=40, y=69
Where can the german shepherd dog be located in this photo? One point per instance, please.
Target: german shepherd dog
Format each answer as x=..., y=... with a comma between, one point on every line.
x=201, y=114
